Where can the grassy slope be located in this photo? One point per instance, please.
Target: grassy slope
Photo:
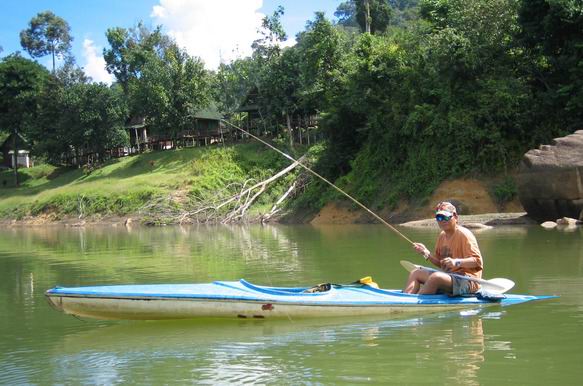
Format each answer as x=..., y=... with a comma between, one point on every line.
x=124, y=185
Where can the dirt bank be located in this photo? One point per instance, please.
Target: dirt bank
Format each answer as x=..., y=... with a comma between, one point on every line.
x=72, y=221
x=471, y=195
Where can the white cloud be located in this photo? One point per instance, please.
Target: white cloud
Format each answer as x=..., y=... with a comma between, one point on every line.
x=216, y=31
x=94, y=63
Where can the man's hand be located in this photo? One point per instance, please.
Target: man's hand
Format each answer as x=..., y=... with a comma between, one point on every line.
x=449, y=264
x=422, y=250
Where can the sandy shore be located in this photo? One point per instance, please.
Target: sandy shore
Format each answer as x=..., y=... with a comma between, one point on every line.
x=481, y=220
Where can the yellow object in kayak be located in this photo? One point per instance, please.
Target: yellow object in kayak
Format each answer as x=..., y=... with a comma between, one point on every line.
x=367, y=280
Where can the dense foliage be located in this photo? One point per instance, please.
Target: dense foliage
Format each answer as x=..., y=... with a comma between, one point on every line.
x=462, y=88
x=438, y=89
x=161, y=82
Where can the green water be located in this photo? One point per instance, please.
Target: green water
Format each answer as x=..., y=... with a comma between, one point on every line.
x=534, y=343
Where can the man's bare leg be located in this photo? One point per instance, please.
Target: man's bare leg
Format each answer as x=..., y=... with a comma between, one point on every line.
x=437, y=281
x=416, y=278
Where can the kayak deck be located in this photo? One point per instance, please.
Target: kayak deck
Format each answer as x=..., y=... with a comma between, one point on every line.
x=245, y=300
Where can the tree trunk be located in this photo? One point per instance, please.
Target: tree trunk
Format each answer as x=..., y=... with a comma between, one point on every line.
x=289, y=129
x=137, y=139
x=367, y=20
x=300, y=127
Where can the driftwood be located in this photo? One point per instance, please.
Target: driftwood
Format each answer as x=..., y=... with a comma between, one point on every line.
x=229, y=205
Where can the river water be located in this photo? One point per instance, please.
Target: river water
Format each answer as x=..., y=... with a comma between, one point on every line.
x=534, y=343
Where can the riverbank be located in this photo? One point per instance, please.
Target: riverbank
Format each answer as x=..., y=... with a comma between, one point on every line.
x=117, y=193
x=125, y=187
x=478, y=221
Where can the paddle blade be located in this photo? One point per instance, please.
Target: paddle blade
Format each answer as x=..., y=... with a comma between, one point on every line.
x=497, y=285
x=409, y=266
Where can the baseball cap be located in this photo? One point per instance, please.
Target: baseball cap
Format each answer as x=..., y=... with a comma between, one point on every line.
x=445, y=208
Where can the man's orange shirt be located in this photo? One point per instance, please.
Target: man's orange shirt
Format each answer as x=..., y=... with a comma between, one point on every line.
x=461, y=245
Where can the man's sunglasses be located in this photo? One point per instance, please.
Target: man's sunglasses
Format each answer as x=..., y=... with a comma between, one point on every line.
x=443, y=218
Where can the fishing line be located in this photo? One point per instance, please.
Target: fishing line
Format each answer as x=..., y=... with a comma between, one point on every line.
x=323, y=179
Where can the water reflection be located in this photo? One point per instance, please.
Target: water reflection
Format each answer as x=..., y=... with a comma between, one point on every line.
x=252, y=351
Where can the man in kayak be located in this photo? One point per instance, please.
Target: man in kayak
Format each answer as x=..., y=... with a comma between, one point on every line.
x=456, y=252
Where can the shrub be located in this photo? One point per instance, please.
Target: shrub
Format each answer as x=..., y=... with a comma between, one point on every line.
x=504, y=192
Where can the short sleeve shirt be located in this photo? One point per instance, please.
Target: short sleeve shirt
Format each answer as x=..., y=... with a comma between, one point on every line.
x=461, y=245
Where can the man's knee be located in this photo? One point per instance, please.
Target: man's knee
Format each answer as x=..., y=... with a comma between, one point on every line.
x=440, y=280
x=419, y=275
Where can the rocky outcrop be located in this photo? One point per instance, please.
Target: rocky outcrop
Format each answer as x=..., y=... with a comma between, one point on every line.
x=550, y=179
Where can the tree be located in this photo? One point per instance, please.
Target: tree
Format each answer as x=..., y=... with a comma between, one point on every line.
x=46, y=34
x=280, y=86
x=267, y=61
x=551, y=33
x=78, y=117
x=320, y=46
x=346, y=14
x=171, y=90
x=130, y=50
x=22, y=82
x=374, y=13
x=70, y=73
x=272, y=33
x=232, y=82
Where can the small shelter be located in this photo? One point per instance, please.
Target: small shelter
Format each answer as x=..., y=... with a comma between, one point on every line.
x=23, y=157
x=138, y=133
x=208, y=126
x=250, y=106
x=303, y=123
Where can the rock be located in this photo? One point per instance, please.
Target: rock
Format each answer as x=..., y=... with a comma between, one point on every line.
x=567, y=228
x=566, y=221
x=476, y=226
x=520, y=219
x=548, y=224
x=550, y=179
x=128, y=221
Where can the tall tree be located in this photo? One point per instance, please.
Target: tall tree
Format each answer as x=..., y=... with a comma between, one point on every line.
x=320, y=46
x=272, y=34
x=346, y=14
x=47, y=34
x=232, y=83
x=266, y=56
x=130, y=50
x=22, y=82
x=376, y=14
x=171, y=90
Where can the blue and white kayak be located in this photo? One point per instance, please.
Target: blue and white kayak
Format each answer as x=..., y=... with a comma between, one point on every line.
x=241, y=299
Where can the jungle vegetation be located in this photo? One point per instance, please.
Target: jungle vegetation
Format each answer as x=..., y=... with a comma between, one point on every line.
x=437, y=89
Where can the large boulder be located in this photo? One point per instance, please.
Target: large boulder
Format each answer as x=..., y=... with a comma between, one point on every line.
x=550, y=179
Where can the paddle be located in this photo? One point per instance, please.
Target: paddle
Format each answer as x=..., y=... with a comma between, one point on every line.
x=497, y=285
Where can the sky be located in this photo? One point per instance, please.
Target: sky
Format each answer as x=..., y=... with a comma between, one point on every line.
x=214, y=30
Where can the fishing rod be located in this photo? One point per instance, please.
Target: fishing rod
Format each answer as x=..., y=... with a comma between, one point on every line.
x=323, y=179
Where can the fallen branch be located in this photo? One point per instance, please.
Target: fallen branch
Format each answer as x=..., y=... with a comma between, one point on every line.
x=223, y=207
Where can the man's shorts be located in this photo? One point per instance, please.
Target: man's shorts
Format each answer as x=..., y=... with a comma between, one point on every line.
x=460, y=286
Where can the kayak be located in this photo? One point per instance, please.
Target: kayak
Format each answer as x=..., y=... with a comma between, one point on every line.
x=241, y=299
